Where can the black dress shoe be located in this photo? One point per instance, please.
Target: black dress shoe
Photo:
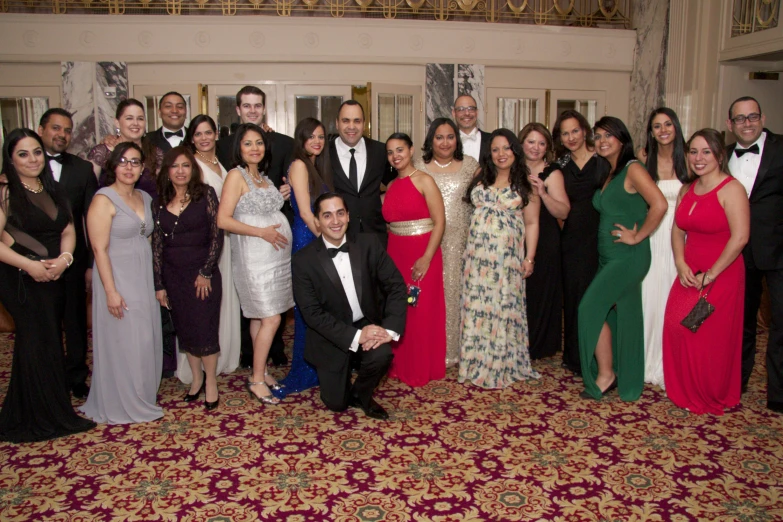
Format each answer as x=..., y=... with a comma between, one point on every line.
x=80, y=391
x=611, y=387
x=777, y=407
x=278, y=360
x=209, y=406
x=374, y=410
x=190, y=398
x=246, y=362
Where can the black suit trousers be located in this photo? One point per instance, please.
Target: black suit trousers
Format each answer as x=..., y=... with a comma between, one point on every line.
x=753, y=290
x=336, y=387
x=75, y=325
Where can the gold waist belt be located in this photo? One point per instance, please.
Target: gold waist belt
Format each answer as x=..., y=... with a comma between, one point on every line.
x=416, y=227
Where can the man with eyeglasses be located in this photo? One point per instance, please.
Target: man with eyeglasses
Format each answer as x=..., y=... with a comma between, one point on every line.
x=465, y=113
x=756, y=160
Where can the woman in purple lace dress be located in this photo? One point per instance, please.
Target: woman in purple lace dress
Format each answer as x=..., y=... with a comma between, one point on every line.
x=186, y=246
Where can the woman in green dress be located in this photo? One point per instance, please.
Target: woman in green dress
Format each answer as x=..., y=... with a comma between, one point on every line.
x=611, y=327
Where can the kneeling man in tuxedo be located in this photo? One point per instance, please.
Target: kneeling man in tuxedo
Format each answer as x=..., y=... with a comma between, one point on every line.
x=353, y=300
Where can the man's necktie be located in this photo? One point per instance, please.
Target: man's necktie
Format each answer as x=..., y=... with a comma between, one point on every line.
x=353, y=170
x=179, y=133
x=59, y=158
x=752, y=150
x=334, y=251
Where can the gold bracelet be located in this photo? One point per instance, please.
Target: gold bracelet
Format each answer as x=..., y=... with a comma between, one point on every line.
x=530, y=261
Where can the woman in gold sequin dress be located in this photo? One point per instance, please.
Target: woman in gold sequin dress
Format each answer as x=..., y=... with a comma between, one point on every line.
x=452, y=172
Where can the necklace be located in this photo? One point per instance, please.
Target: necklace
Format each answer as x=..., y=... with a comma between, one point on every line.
x=442, y=166
x=34, y=191
x=185, y=201
x=256, y=177
x=214, y=160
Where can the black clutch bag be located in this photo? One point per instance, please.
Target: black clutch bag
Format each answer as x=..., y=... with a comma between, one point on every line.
x=701, y=310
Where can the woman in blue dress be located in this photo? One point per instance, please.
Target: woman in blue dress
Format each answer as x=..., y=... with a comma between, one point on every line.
x=309, y=176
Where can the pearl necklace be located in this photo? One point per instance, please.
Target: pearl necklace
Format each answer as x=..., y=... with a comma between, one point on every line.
x=185, y=201
x=34, y=191
x=214, y=160
x=442, y=166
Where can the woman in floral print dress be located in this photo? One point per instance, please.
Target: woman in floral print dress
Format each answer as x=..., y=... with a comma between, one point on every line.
x=499, y=256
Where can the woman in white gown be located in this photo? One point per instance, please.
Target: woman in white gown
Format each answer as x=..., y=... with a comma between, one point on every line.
x=201, y=137
x=664, y=156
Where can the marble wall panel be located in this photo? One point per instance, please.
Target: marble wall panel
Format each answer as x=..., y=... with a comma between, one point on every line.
x=84, y=87
x=648, y=78
x=77, y=82
x=440, y=89
x=470, y=80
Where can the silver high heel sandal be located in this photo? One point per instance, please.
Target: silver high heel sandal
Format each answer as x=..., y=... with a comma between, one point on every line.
x=276, y=386
x=266, y=399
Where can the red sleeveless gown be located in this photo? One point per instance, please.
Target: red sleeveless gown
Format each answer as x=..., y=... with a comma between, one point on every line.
x=420, y=354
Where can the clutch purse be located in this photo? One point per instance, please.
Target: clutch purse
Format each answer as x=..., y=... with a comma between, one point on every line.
x=700, y=311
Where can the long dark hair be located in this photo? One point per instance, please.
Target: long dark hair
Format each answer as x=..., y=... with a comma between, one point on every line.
x=194, y=123
x=113, y=161
x=149, y=153
x=236, y=151
x=18, y=203
x=319, y=172
x=561, y=149
x=678, y=154
x=196, y=187
x=427, y=148
x=617, y=128
x=519, y=171
x=716, y=144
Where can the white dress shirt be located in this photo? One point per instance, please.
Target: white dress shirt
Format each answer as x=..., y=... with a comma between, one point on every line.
x=56, y=166
x=342, y=262
x=471, y=143
x=344, y=155
x=175, y=141
x=746, y=168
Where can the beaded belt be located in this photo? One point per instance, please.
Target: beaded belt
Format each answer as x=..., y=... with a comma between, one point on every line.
x=416, y=227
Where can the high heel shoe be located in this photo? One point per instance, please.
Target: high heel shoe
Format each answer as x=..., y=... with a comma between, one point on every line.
x=190, y=398
x=609, y=388
x=276, y=387
x=266, y=399
x=209, y=406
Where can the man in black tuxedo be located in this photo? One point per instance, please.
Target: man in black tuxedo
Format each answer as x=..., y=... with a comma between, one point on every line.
x=465, y=113
x=172, y=110
x=251, y=108
x=360, y=167
x=337, y=285
x=756, y=161
x=76, y=176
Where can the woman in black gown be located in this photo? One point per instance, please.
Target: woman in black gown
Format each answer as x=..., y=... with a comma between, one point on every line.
x=545, y=287
x=186, y=247
x=36, y=249
x=582, y=173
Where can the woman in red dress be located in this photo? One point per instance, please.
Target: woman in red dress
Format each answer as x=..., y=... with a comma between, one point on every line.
x=702, y=369
x=413, y=206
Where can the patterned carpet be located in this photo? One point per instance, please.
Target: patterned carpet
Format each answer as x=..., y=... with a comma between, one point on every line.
x=449, y=453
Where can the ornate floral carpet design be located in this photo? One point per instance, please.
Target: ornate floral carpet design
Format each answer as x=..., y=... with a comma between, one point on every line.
x=450, y=452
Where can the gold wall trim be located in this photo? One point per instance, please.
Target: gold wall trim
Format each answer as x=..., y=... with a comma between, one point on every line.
x=571, y=13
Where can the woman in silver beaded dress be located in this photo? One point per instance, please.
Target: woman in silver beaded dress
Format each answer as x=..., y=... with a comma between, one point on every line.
x=260, y=249
x=452, y=172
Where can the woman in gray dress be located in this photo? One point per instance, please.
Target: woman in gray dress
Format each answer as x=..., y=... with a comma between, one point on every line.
x=260, y=249
x=452, y=172
x=127, y=355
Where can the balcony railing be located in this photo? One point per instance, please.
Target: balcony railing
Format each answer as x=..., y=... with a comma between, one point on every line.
x=752, y=16
x=577, y=13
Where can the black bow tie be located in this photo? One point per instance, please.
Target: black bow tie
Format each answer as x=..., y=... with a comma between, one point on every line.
x=334, y=251
x=179, y=133
x=753, y=150
x=59, y=158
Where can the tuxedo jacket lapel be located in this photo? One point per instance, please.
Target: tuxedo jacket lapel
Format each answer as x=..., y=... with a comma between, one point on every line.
x=771, y=148
x=368, y=167
x=331, y=272
x=337, y=167
x=356, y=268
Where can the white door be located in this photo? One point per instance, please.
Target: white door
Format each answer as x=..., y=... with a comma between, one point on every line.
x=321, y=102
x=514, y=108
x=397, y=108
x=591, y=104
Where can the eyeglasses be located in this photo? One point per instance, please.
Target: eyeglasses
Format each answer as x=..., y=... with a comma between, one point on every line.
x=465, y=109
x=133, y=162
x=752, y=117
